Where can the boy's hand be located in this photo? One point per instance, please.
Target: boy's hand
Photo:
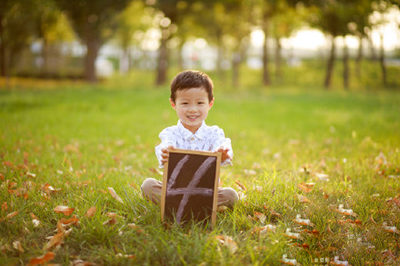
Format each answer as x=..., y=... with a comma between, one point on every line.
x=224, y=153
x=165, y=154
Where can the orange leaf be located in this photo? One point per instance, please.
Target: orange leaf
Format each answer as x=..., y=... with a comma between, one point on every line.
x=17, y=245
x=228, y=242
x=260, y=216
x=43, y=259
x=64, y=209
x=90, y=212
x=112, y=221
x=304, y=188
x=11, y=215
x=4, y=206
x=55, y=241
x=243, y=187
x=115, y=195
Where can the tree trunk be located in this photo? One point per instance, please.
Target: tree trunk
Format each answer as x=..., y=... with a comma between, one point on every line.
x=3, y=70
x=371, y=46
x=92, y=46
x=382, y=61
x=330, y=65
x=124, y=61
x=346, y=71
x=162, y=66
x=45, y=56
x=278, y=58
x=266, y=78
x=235, y=69
x=359, y=56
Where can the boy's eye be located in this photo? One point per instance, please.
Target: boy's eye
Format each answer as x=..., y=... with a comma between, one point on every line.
x=200, y=102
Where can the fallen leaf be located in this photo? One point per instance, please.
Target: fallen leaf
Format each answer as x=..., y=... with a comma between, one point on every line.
x=243, y=187
x=64, y=209
x=35, y=220
x=120, y=255
x=228, y=242
x=46, y=188
x=42, y=259
x=304, y=188
x=136, y=228
x=260, y=216
x=55, y=241
x=17, y=245
x=112, y=214
x=110, y=222
x=79, y=262
x=9, y=216
x=90, y=212
x=303, y=199
x=115, y=195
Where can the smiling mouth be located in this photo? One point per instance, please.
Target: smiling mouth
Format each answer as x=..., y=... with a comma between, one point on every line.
x=193, y=117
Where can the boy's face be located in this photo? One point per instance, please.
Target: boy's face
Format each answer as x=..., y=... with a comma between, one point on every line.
x=192, y=106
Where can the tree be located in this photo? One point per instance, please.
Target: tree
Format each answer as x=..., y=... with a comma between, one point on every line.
x=136, y=17
x=51, y=27
x=16, y=30
x=266, y=11
x=94, y=22
x=283, y=25
x=174, y=12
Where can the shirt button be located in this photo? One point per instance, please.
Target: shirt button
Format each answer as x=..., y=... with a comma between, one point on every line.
x=192, y=138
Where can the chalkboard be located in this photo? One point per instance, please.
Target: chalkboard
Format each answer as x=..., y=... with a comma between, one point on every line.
x=190, y=186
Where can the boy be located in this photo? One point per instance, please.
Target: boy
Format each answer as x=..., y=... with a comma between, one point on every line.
x=192, y=98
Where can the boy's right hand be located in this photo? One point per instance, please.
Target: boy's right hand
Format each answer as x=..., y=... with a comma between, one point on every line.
x=165, y=154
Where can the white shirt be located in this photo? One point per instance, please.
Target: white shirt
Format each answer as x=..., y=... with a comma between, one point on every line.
x=206, y=138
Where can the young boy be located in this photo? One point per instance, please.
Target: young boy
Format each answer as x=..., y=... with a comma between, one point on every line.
x=192, y=98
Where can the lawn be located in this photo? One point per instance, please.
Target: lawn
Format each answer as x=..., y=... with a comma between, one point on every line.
x=331, y=157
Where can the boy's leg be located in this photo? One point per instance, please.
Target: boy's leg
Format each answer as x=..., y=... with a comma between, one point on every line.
x=151, y=190
x=227, y=196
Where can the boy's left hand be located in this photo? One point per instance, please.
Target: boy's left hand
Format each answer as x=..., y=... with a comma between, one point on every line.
x=224, y=153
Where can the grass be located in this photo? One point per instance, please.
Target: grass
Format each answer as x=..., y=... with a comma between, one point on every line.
x=82, y=139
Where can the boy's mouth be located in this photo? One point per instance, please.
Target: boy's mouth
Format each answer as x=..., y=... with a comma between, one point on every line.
x=193, y=117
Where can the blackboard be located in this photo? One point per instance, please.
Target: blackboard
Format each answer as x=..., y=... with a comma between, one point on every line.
x=190, y=186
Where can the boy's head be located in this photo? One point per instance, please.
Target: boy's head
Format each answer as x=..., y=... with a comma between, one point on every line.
x=192, y=79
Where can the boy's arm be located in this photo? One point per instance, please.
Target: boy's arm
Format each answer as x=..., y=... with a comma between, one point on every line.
x=224, y=146
x=161, y=150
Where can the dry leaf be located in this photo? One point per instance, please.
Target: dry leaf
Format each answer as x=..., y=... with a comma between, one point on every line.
x=228, y=242
x=79, y=262
x=301, y=221
x=46, y=188
x=42, y=259
x=90, y=212
x=17, y=246
x=9, y=216
x=303, y=199
x=115, y=195
x=260, y=216
x=110, y=222
x=64, y=209
x=4, y=206
x=55, y=241
x=304, y=188
x=35, y=220
x=243, y=187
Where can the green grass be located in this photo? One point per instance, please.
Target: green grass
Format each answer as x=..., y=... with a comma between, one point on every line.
x=82, y=139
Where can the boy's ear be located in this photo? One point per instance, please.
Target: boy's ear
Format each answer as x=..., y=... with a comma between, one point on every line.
x=211, y=103
x=172, y=103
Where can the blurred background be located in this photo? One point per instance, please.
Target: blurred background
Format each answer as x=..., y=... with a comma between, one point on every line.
x=355, y=41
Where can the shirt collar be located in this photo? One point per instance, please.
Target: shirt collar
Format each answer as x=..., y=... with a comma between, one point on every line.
x=188, y=134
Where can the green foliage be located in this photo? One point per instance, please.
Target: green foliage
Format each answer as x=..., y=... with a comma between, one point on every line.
x=82, y=139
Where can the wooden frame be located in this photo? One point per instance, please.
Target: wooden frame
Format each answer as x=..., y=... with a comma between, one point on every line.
x=180, y=196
